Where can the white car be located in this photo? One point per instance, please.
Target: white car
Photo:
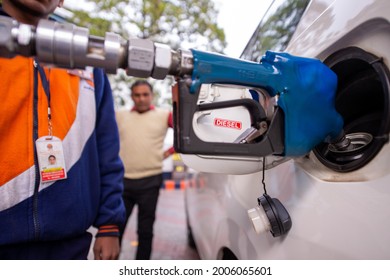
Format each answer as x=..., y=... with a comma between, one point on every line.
x=339, y=203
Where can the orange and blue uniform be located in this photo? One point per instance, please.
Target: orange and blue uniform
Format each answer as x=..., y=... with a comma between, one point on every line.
x=82, y=116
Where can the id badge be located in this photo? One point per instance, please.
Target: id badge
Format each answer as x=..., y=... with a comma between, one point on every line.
x=51, y=159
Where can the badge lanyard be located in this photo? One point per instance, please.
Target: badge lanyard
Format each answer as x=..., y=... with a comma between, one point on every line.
x=46, y=87
x=49, y=148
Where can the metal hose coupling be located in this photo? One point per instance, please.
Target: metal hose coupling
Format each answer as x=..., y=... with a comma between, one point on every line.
x=69, y=46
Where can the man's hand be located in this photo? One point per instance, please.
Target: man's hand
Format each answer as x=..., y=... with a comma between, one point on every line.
x=106, y=248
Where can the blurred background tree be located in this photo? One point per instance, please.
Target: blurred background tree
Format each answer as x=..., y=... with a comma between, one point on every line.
x=177, y=23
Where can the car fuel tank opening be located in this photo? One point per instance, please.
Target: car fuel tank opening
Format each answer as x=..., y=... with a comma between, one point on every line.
x=363, y=101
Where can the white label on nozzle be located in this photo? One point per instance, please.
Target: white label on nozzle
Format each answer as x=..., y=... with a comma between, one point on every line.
x=228, y=123
x=24, y=35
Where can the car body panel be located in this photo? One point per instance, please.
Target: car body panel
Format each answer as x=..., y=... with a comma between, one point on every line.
x=335, y=215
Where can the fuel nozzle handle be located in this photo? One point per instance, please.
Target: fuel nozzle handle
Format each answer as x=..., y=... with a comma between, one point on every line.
x=69, y=46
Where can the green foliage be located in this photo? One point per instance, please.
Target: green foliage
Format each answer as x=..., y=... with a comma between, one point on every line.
x=173, y=22
x=177, y=23
x=97, y=26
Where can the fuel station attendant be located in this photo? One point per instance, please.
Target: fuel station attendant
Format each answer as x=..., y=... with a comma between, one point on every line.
x=48, y=111
x=142, y=131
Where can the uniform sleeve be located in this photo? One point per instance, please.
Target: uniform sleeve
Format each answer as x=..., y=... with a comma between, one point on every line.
x=111, y=211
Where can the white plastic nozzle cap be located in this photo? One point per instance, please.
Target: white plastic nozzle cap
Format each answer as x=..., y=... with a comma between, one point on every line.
x=259, y=219
x=25, y=34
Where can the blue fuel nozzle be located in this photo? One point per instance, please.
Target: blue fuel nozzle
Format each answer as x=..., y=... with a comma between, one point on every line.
x=305, y=88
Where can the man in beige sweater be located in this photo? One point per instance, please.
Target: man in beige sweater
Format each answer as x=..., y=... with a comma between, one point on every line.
x=142, y=131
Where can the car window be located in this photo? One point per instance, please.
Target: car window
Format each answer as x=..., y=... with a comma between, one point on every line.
x=275, y=29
